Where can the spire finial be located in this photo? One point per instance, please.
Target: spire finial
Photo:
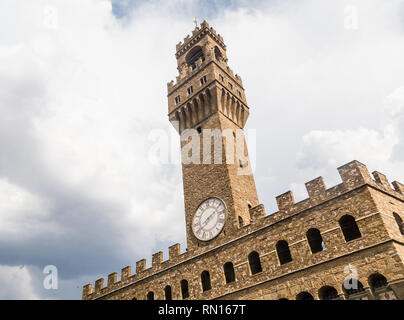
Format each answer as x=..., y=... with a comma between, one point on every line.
x=195, y=21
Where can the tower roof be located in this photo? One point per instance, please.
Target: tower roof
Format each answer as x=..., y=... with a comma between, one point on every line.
x=197, y=34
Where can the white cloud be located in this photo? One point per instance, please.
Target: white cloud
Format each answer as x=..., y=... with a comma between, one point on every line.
x=380, y=149
x=80, y=92
x=23, y=215
x=16, y=283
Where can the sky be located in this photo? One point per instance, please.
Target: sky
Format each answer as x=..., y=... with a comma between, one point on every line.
x=83, y=87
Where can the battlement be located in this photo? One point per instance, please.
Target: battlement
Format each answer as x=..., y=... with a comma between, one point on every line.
x=209, y=41
x=197, y=34
x=141, y=272
x=189, y=72
x=353, y=175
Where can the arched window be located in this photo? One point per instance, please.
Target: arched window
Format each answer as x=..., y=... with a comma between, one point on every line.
x=240, y=221
x=304, y=296
x=377, y=281
x=168, y=293
x=229, y=272
x=134, y=298
x=349, y=228
x=218, y=54
x=328, y=293
x=205, y=278
x=282, y=248
x=315, y=240
x=184, y=289
x=357, y=287
x=150, y=295
x=193, y=56
x=255, y=262
x=399, y=222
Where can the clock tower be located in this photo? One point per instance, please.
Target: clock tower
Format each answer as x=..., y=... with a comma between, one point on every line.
x=208, y=108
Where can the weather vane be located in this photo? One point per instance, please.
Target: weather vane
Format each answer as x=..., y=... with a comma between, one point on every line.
x=196, y=21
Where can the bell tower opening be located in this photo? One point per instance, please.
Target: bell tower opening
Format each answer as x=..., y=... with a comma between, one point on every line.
x=193, y=56
x=218, y=54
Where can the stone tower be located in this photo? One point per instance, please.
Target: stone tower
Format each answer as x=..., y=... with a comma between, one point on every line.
x=208, y=107
x=304, y=251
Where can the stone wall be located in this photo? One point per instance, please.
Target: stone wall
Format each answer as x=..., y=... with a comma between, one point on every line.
x=380, y=249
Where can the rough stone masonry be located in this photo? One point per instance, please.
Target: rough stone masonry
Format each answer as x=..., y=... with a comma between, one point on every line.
x=343, y=242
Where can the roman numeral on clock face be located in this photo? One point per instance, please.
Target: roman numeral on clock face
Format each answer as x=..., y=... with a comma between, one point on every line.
x=209, y=219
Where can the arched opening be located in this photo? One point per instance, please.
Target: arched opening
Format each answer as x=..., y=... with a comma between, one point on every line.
x=282, y=248
x=283, y=299
x=205, y=279
x=150, y=295
x=315, y=240
x=168, y=293
x=218, y=54
x=240, y=222
x=193, y=56
x=328, y=293
x=349, y=228
x=229, y=272
x=399, y=222
x=377, y=281
x=184, y=289
x=134, y=298
x=254, y=262
x=304, y=296
x=355, y=287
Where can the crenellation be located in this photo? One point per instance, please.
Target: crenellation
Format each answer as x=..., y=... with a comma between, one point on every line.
x=257, y=213
x=316, y=189
x=112, y=279
x=87, y=290
x=205, y=24
x=239, y=80
x=230, y=71
x=399, y=187
x=99, y=285
x=382, y=179
x=195, y=31
x=126, y=273
x=170, y=85
x=140, y=266
x=174, y=251
x=285, y=201
x=157, y=259
x=354, y=174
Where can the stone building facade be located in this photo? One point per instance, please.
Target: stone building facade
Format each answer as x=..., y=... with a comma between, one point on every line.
x=343, y=242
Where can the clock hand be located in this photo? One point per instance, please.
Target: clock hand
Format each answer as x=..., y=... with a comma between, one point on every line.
x=208, y=219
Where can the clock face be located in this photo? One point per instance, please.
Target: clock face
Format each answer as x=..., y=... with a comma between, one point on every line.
x=209, y=219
